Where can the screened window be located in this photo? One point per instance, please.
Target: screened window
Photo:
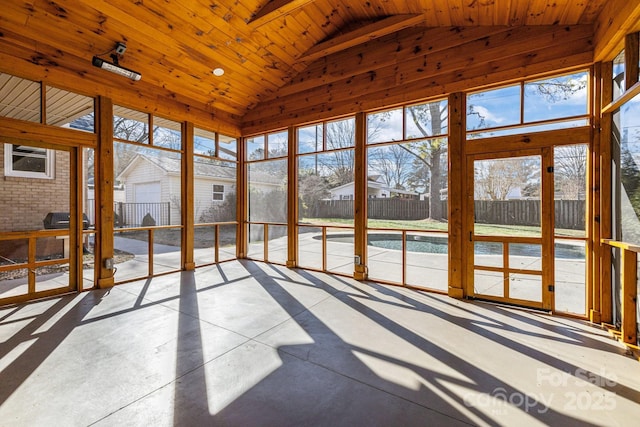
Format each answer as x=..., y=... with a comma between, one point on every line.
x=530, y=106
x=130, y=125
x=28, y=162
x=618, y=75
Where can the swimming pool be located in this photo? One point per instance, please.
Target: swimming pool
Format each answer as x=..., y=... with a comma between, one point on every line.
x=439, y=245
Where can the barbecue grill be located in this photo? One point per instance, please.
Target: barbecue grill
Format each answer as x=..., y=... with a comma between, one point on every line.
x=60, y=220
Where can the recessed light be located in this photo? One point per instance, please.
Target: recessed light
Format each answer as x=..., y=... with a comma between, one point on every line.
x=218, y=72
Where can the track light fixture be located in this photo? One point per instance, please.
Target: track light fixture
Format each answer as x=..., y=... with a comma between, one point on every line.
x=113, y=65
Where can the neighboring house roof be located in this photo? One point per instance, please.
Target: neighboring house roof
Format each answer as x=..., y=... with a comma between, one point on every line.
x=373, y=182
x=203, y=170
x=174, y=166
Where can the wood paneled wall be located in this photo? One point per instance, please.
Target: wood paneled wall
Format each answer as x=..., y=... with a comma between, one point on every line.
x=417, y=64
x=69, y=72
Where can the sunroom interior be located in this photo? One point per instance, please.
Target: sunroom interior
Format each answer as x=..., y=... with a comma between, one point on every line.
x=477, y=162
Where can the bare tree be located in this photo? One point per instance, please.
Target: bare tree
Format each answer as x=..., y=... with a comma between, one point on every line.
x=430, y=120
x=394, y=164
x=495, y=179
x=312, y=188
x=570, y=171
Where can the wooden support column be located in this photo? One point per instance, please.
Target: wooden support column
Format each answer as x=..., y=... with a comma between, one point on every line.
x=631, y=58
x=548, y=229
x=292, y=200
x=458, y=231
x=242, y=202
x=75, y=221
x=360, y=198
x=593, y=178
x=629, y=296
x=187, y=197
x=104, y=191
x=606, y=124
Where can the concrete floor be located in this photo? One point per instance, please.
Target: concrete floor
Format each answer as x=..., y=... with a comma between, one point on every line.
x=251, y=344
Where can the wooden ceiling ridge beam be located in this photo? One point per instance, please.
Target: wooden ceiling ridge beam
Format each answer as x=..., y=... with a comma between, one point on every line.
x=432, y=40
x=364, y=34
x=275, y=9
x=460, y=55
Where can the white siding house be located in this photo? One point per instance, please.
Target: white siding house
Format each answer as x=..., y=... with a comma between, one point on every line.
x=150, y=179
x=376, y=189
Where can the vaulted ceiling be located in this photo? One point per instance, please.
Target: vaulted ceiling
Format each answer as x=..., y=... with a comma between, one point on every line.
x=269, y=50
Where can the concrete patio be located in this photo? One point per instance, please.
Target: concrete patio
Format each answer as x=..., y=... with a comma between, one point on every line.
x=246, y=343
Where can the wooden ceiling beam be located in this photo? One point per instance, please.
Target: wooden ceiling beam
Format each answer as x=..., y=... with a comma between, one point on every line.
x=383, y=53
x=276, y=9
x=428, y=51
x=617, y=19
x=516, y=54
x=364, y=34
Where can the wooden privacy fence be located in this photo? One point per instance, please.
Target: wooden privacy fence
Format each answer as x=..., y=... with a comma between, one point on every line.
x=569, y=214
x=403, y=209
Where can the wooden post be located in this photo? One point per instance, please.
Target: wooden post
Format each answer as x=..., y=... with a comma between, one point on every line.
x=360, y=198
x=104, y=248
x=593, y=217
x=75, y=219
x=629, y=296
x=150, y=243
x=188, y=222
x=606, y=125
x=457, y=165
x=548, y=230
x=631, y=58
x=242, y=202
x=292, y=199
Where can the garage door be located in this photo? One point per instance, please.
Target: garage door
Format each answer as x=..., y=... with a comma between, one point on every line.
x=148, y=192
x=147, y=201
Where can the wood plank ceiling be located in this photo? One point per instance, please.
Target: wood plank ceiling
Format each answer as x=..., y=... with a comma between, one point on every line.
x=274, y=50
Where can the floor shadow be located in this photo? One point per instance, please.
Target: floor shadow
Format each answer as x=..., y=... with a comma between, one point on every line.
x=44, y=343
x=492, y=329
x=436, y=397
x=189, y=346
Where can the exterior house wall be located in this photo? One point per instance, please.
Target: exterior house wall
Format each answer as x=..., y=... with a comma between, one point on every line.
x=24, y=202
x=377, y=193
x=171, y=190
x=343, y=192
x=143, y=172
x=203, y=192
x=373, y=191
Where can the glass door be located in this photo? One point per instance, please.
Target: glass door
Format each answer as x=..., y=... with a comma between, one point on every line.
x=512, y=229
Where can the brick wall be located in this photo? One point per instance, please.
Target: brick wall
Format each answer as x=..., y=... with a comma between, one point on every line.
x=24, y=202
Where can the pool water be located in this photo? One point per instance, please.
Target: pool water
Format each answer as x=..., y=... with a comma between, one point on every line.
x=438, y=245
